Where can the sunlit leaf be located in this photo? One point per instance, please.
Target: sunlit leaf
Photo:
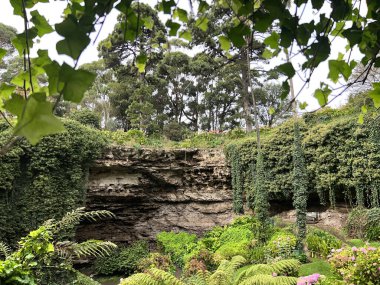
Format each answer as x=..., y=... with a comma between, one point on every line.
x=273, y=40
x=375, y=94
x=322, y=96
x=141, y=60
x=186, y=35
x=3, y=52
x=40, y=23
x=202, y=23
x=225, y=43
x=303, y=105
x=181, y=15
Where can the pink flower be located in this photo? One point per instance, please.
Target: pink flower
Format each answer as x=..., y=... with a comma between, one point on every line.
x=274, y=274
x=354, y=248
x=353, y=258
x=372, y=248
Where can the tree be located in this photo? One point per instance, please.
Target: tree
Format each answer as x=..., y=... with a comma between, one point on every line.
x=271, y=109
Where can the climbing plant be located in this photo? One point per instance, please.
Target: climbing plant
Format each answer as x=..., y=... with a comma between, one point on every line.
x=46, y=180
x=300, y=185
x=237, y=179
x=336, y=149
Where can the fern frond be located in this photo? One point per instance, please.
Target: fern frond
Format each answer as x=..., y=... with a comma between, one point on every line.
x=95, y=248
x=164, y=277
x=153, y=276
x=288, y=267
x=263, y=279
x=73, y=218
x=140, y=279
x=226, y=270
x=201, y=278
x=5, y=250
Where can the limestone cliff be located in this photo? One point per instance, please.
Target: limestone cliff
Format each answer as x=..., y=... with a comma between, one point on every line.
x=153, y=190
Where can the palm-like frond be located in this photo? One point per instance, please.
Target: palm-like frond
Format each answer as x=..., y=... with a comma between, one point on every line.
x=93, y=248
x=5, y=250
x=263, y=279
x=153, y=276
x=226, y=270
x=201, y=278
x=73, y=218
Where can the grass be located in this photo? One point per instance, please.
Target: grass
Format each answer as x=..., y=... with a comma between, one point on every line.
x=316, y=266
x=360, y=243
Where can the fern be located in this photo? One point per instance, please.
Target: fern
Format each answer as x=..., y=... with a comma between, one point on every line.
x=95, y=248
x=201, y=278
x=263, y=279
x=153, y=276
x=73, y=218
x=4, y=250
x=287, y=267
x=226, y=270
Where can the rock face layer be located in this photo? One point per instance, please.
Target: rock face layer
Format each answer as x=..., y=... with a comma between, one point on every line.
x=153, y=190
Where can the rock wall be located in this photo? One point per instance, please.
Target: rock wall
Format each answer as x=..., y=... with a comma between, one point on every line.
x=153, y=190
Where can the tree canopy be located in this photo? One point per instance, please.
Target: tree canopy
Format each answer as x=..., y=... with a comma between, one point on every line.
x=284, y=27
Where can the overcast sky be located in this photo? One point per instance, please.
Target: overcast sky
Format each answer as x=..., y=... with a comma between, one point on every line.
x=53, y=11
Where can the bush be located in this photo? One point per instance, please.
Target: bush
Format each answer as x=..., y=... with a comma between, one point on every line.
x=373, y=224
x=130, y=137
x=177, y=245
x=82, y=279
x=124, y=260
x=281, y=246
x=359, y=266
x=174, y=131
x=87, y=117
x=321, y=243
x=364, y=223
x=156, y=260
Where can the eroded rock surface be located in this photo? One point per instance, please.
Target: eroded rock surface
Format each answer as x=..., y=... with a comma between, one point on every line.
x=152, y=190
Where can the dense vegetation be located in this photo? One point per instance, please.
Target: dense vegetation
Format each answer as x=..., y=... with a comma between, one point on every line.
x=341, y=158
x=147, y=84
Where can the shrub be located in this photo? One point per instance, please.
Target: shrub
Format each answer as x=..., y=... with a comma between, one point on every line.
x=124, y=260
x=87, y=117
x=281, y=246
x=364, y=223
x=257, y=254
x=156, y=260
x=373, y=224
x=231, y=249
x=177, y=245
x=236, y=134
x=321, y=243
x=356, y=221
x=174, y=131
x=82, y=279
x=359, y=266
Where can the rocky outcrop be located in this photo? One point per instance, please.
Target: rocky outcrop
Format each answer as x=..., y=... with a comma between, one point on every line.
x=153, y=190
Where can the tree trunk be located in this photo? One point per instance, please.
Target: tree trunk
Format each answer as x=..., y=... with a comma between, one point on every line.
x=245, y=93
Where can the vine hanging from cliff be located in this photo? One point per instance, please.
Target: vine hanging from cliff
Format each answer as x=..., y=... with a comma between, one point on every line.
x=237, y=179
x=46, y=180
x=299, y=185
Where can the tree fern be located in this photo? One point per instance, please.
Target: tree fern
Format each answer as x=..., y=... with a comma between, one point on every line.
x=4, y=250
x=94, y=248
x=153, y=276
x=73, y=218
x=226, y=270
x=201, y=278
x=263, y=279
x=287, y=267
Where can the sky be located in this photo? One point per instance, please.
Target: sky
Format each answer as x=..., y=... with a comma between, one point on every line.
x=53, y=11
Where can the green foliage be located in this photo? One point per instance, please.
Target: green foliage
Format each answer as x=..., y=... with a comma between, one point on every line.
x=320, y=243
x=281, y=245
x=155, y=260
x=364, y=223
x=357, y=265
x=174, y=131
x=124, y=260
x=87, y=117
x=262, y=273
x=261, y=203
x=152, y=277
x=300, y=186
x=177, y=245
x=237, y=179
x=45, y=181
x=82, y=279
x=327, y=137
